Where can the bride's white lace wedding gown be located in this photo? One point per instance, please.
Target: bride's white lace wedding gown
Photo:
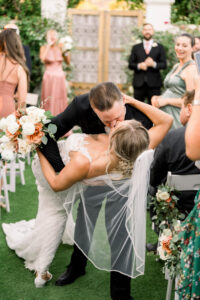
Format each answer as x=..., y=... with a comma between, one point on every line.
x=37, y=240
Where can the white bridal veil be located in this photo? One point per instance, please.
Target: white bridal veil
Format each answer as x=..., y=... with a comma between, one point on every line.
x=111, y=218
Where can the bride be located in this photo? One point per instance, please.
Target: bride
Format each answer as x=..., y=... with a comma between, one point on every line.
x=87, y=158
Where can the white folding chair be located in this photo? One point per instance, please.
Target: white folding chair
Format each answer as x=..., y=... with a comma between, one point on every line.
x=14, y=168
x=32, y=99
x=180, y=183
x=3, y=180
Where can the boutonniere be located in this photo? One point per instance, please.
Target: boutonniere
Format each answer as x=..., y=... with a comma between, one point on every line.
x=154, y=44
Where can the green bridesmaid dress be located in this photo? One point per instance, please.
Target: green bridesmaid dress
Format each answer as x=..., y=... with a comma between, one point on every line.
x=175, y=87
x=189, y=281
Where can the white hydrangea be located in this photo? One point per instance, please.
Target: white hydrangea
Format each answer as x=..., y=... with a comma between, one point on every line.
x=7, y=154
x=24, y=147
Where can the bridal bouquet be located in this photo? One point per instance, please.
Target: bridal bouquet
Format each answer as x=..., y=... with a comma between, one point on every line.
x=169, y=248
x=24, y=131
x=66, y=43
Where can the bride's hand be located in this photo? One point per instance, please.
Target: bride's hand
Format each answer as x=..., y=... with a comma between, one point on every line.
x=155, y=102
x=127, y=99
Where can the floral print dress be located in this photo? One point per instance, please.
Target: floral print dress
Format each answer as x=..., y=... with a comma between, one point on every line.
x=189, y=281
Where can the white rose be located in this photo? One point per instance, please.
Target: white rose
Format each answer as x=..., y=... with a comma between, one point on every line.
x=4, y=139
x=35, y=114
x=166, y=232
x=44, y=119
x=28, y=128
x=66, y=39
x=7, y=155
x=177, y=226
x=163, y=254
x=66, y=47
x=23, y=120
x=13, y=127
x=163, y=195
x=24, y=147
x=3, y=124
x=10, y=118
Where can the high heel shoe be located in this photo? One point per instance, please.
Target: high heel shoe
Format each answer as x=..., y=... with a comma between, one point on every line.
x=42, y=278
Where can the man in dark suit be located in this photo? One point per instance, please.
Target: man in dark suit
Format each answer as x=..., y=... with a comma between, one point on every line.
x=147, y=59
x=170, y=156
x=95, y=112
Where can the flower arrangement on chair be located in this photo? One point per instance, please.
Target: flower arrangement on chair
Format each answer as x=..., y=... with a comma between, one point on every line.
x=169, y=248
x=168, y=219
x=23, y=131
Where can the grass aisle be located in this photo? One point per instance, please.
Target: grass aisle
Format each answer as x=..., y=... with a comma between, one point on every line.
x=17, y=283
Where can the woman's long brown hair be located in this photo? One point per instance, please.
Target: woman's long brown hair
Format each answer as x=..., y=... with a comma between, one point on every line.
x=11, y=45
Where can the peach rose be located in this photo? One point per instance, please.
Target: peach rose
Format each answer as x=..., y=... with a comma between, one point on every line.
x=166, y=244
x=37, y=136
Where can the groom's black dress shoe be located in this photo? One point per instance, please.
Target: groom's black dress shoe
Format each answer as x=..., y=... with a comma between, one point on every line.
x=152, y=247
x=131, y=298
x=69, y=276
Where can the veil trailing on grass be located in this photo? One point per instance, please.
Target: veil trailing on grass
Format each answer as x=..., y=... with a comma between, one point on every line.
x=111, y=224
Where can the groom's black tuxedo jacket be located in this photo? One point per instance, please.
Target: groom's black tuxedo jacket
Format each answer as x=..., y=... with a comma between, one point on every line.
x=152, y=76
x=79, y=112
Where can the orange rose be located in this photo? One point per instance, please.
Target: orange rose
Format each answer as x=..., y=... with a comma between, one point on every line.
x=169, y=199
x=166, y=244
x=37, y=136
x=13, y=136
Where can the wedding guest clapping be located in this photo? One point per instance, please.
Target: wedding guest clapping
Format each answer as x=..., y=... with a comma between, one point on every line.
x=178, y=80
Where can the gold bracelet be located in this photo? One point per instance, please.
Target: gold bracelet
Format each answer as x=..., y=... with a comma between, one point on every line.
x=196, y=102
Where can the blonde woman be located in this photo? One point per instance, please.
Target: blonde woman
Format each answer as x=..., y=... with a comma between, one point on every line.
x=54, y=93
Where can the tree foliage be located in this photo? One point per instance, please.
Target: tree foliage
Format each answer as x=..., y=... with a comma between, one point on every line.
x=186, y=11
x=18, y=9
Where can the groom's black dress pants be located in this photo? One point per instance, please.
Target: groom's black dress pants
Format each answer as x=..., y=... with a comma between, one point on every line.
x=119, y=283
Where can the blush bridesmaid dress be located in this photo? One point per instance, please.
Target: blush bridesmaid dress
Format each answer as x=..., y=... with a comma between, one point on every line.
x=7, y=90
x=54, y=93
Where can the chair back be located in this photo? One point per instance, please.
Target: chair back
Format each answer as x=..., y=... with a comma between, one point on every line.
x=32, y=99
x=184, y=182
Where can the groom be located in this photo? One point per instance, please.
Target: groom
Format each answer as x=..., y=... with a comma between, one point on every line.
x=95, y=112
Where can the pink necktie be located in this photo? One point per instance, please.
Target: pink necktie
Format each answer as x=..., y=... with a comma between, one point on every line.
x=147, y=47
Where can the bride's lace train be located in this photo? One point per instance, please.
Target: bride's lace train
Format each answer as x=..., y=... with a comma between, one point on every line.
x=37, y=240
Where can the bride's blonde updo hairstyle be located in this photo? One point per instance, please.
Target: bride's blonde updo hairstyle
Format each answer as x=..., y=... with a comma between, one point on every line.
x=127, y=142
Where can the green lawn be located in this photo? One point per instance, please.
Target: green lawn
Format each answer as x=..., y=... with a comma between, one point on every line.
x=17, y=283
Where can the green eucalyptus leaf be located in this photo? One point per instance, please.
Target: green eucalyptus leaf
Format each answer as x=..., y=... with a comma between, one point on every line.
x=44, y=140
